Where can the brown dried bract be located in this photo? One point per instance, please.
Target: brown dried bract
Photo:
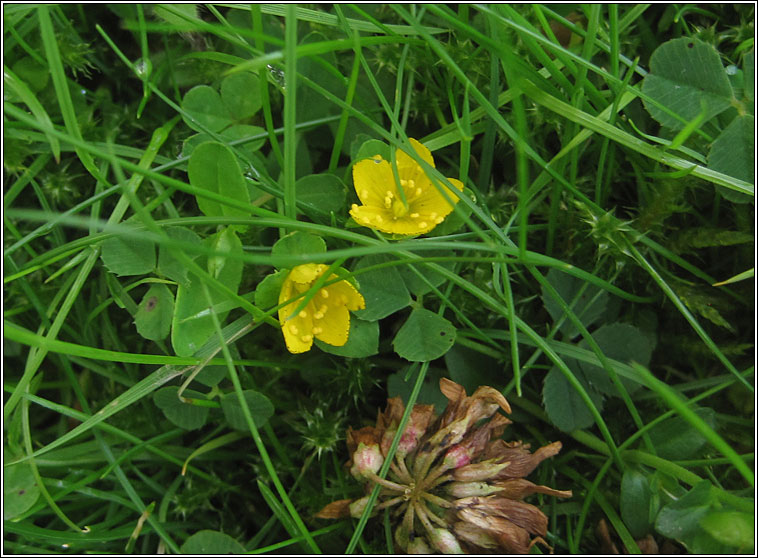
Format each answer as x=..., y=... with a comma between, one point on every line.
x=455, y=484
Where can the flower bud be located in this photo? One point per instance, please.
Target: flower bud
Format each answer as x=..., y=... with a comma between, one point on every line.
x=367, y=435
x=357, y=507
x=408, y=441
x=402, y=537
x=467, y=489
x=366, y=459
x=421, y=416
x=522, y=461
x=451, y=434
x=479, y=471
x=474, y=535
x=457, y=456
x=418, y=546
x=444, y=541
x=511, y=538
x=387, y=438
x=517, y=489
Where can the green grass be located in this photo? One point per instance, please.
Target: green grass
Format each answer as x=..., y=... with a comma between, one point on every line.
x=576, y=271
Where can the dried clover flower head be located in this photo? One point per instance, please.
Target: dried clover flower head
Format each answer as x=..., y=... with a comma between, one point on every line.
x=456, y=486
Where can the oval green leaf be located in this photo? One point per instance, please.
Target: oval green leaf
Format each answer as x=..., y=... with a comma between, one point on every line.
x=748, y=67
x=153, y=318
x=675, y=438
x=204, y=110
x=192, y=324
x=321, y=194
x=211, y=542
x=415, y=283
x=564, y=406
x=211, y=375
x=635, y=502
x=20, y=491
x=267, y=292
x=586, y=301
x=184, y=415
x=259, y=405
x=241, y=95
x=227, y=270
x=168, y=265
x=622, y=342
x=370, y=148
x=213, y=167
x=733, y=153
x=424, y=336
x=230, y=134
x=298, y=244
x=732, y=528
x=382, y=289
x=128, y=256
x=362, y=341
x=685, y=75
x=680, y=519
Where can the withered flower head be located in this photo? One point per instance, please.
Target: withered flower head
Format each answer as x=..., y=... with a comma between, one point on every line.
x=456, y=486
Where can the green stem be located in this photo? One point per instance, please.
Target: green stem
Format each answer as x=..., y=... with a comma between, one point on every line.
x=290, y=115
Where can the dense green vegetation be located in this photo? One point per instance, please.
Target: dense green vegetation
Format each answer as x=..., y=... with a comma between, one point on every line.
x=597, y=268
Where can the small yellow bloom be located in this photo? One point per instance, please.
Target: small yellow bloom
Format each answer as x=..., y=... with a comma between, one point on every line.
x=383, y=208
x=325, y=317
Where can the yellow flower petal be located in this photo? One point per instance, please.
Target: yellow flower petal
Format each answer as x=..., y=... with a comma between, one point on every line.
x=431, y=202
x=334, y=327
x=298, y=331
x=389, y=224
x=383, y=209
x=306, y=273
x=408, y=168
x=372, y=179
x=346, y=294
x=325, y=316
x=412, y=226
x=373, y=217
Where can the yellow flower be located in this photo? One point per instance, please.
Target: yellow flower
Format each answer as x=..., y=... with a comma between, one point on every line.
x=383, y=208
x=326, y=315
